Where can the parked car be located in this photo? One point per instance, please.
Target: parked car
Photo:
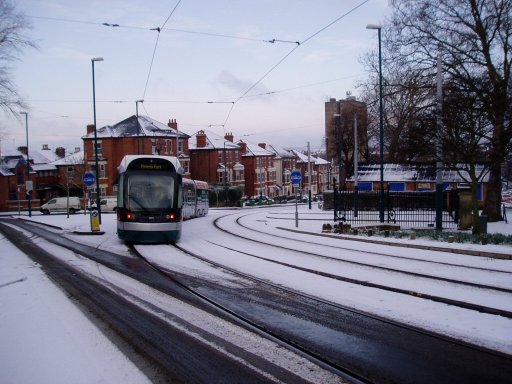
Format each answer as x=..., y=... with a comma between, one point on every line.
x=60, y=204
x=108, y=204
x=259, y=200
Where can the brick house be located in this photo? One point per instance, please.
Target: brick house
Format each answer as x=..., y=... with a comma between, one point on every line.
x=284, y=162
x=216, y=160
x=260, y=174
x=134, y=135
x=13, y=172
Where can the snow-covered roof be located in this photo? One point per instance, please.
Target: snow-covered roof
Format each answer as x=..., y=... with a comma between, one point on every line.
x=255, y=150
x=43, y=167
x=42, y=156
x=213, y=141
x=73, y=159
x=412, y=172
x=280, y=152
x=129, y=127
x=303, y=158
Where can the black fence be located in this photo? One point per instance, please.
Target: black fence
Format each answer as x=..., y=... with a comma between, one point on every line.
x=414, y=209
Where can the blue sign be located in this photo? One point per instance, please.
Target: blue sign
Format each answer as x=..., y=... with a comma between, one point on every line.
x=296, y=177
x=89, y=178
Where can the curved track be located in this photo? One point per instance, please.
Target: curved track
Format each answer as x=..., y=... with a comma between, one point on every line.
x=381, y=270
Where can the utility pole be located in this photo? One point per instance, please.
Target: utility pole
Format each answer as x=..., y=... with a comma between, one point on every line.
x=439, y=151
x=309, y=175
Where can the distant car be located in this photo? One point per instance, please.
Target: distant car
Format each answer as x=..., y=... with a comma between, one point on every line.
x=108, y=204
x=61, y=204
x=259, y=200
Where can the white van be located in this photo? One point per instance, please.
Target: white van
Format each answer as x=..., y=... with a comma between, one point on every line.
x=108, y=204
x=60, y=204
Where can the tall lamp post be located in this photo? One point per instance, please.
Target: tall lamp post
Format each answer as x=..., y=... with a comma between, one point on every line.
x=137, y=114
x=28, y=184
x=381, y=130
x=98, y=206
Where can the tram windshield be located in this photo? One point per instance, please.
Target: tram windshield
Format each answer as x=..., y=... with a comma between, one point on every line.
x=150, y=193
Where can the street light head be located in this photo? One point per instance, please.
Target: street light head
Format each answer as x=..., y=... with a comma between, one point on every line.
x=139, y=101
x=373, y=26
x=24, y=113
x=97, y=59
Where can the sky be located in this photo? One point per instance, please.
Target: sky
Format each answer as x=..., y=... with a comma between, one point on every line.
x=211, y=66
x=40, y=325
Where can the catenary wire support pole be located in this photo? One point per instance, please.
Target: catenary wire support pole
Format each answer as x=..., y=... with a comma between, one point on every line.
x=381, y=125
x=439, y=150
x=356, y=166
x=29, y=187
x=309, y=176
x=98, y=206
x=138, y=124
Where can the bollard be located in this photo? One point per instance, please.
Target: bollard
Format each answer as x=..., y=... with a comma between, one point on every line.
x=451, y=239
x=412, y=236
x=370, y=232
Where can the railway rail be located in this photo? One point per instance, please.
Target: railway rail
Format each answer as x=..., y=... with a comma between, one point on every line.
x=499, y=281
x=297, y=319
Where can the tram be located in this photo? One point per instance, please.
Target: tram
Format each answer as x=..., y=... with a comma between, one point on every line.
x=149, y=199
x=195, y=198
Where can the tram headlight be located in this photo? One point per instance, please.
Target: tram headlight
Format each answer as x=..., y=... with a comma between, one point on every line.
x=170, y=217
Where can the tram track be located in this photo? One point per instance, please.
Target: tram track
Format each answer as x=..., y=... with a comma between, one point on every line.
x=162, y=281
x=364, y=282
x=446, y=347
x=294, y=293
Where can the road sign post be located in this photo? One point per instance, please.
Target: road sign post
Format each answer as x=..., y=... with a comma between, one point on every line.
x=296, y=179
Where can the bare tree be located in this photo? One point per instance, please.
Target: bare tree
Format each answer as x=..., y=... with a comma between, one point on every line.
x=465, y=141
x=408, y=102
x=474, y=38
x=12, y=40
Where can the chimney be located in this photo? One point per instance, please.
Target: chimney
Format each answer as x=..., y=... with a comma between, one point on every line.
x=201, y=139
x=229, y=136
x=262, y=145
x=243, y=146
x=90, y=128
x=61, y=152
x=172, y=124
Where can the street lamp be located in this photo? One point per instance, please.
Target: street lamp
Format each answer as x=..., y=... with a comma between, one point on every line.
x=28, y=184
x=98, y=206
x=337, y=117
x=381, y=130
x=137, y=114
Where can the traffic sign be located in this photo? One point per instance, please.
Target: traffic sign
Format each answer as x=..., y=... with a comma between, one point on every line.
x=89, y=178
x=296, y=177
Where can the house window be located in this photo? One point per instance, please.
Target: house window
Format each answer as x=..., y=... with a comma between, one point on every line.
x=219, y=156
x=21, y=178
x=102, y=171
x=153, y=147
x=180, y=146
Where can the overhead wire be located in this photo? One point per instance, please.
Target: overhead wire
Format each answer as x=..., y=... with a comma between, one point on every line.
x=116, y=25
x=158, y=29
x=299, y=44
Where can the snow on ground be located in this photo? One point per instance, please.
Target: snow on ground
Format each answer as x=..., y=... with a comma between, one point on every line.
x=41, y=329
x=45, y=337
